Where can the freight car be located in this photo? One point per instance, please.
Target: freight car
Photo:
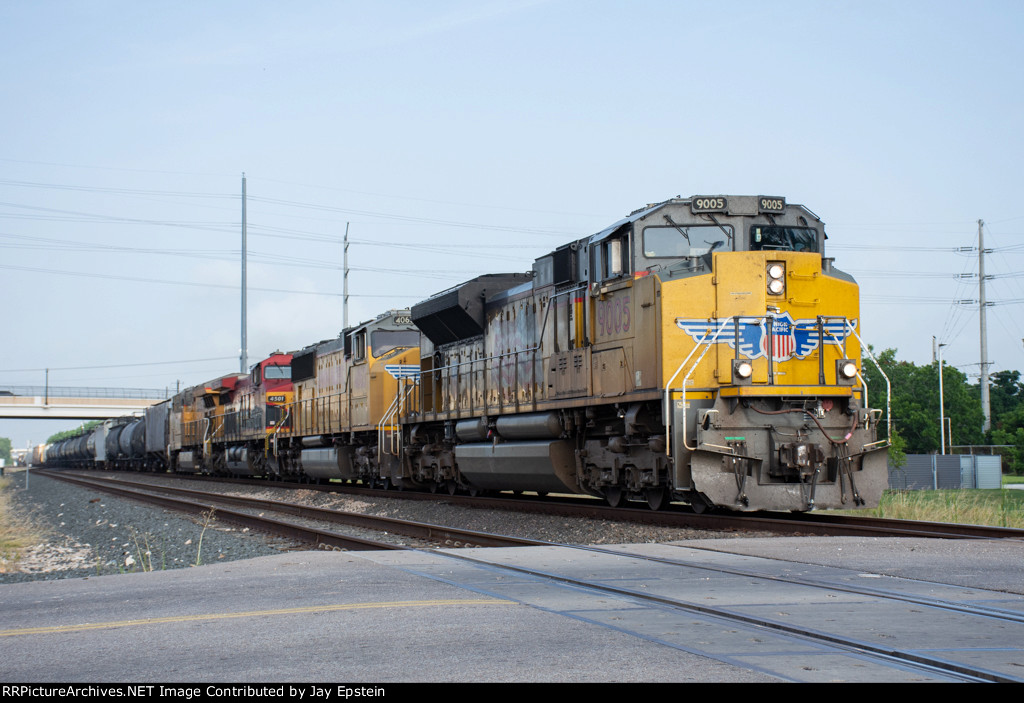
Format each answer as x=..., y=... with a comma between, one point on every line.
x=702, y=349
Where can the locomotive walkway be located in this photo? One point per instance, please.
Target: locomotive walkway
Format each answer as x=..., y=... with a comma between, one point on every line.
x=64, y=403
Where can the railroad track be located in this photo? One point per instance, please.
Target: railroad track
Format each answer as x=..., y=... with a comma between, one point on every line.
x=823, y=523
x=249, y=513
x=807, y=631
x=817, y=611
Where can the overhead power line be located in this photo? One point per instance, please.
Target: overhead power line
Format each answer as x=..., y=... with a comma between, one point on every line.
x=84, y=274
x=119, y=366
x=116, y=191
x=419, y=220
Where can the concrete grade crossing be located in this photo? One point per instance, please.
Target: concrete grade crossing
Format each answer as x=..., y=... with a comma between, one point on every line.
x=429, y=616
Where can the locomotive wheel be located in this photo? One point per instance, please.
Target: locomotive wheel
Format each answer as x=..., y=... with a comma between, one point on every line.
x=700, y=506
x=452, y=487
x=614, y=495
x=657, y=498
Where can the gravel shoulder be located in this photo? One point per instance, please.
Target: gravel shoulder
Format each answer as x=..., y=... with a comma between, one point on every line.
x=88, y=533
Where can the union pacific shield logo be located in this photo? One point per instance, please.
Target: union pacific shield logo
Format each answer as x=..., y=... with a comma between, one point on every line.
x=789, y=338
x=783, y=338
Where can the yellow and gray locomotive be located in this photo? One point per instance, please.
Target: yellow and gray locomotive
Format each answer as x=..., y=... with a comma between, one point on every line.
x=702, y=349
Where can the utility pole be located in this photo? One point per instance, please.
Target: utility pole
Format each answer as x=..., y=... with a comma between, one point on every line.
x=344, y=314
x=244, y=356
x=942, y=405
x=986, y=409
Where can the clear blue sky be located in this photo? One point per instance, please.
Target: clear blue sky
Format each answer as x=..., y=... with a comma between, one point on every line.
x=469, y=137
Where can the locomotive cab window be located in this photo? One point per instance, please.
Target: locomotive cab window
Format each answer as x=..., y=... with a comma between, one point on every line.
x=278, y=372
x=359, y=345
x=383, y=341
x=687, y=241
x=611, y=258
x=780, y=238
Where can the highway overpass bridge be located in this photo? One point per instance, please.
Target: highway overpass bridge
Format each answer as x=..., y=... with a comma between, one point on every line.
x=57, y=403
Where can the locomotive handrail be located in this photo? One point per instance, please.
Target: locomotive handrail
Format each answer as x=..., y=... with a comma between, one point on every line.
x=736, y=320
x=822, y=333
x=488, y=360
x=694, y=367
x=668, y=389
x=281, y=424
x=821, y=357
x=544, y=322
x=888, y=386
x=390, y=415
x=864, y=383
x=515, y=353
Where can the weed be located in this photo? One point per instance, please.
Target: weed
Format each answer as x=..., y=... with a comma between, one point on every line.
x=145, y=556
x=16, y=532
x=208, y=517
x=996, y=507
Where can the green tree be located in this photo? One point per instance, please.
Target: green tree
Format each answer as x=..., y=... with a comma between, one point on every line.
x=73, y=433
x=897, y=450
x=1006, y=393
x=5, y=450
x=915, y=402
x=1009, y=429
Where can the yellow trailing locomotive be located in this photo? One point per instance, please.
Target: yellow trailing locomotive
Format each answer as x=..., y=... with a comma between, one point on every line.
x=702, y=349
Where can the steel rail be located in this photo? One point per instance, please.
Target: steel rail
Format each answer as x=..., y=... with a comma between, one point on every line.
x=285, y=529
x=893, y=655
x=802, y=524
x=440, y=534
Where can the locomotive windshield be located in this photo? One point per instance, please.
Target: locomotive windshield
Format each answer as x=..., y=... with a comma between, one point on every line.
x=779, y=238
x=277, y=372
x=684, y=240
x=385, y=340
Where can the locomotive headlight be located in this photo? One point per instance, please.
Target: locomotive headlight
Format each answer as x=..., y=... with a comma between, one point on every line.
x=741, y=371
x=846, y=371
x=776, y=279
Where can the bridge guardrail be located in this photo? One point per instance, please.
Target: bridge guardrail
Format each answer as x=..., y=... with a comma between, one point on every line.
x=86, y=392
